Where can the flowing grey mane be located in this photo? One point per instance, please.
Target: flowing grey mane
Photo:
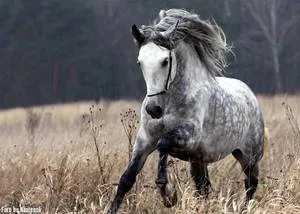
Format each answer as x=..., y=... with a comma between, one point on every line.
x=205, y=36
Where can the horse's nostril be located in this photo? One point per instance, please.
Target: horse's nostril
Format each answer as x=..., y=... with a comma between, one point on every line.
x=154, y=111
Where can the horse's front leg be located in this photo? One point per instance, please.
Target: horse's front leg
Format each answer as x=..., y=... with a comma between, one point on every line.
x=161, y=180
x=140, y=154
x=171, y=143
x=167, y=191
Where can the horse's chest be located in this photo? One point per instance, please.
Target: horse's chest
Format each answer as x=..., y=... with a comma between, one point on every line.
x=168, y=122
x=156, y=127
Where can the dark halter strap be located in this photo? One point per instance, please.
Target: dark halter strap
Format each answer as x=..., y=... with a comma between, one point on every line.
x=168, y=79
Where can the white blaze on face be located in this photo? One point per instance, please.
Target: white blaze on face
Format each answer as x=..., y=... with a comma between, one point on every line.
x=154, y=62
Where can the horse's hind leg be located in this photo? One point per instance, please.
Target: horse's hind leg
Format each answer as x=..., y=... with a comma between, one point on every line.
x=167, y=192
x=251, y=180
x=200, y=175
x=250, y=168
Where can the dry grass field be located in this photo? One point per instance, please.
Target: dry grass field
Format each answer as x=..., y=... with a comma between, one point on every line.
x=68, y=159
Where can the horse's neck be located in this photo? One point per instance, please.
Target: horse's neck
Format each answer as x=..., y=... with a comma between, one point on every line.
x=193, y=79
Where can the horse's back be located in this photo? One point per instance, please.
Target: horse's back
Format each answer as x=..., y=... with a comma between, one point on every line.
x=237, y=89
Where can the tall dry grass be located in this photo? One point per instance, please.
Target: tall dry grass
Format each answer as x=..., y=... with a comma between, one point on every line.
x=68, y=158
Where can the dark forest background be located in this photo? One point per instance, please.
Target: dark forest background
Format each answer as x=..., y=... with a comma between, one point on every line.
x=59, y=51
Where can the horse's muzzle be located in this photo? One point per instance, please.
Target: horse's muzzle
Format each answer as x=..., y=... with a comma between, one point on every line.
x=154, y=111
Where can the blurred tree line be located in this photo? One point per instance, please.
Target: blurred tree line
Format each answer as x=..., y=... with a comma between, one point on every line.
x=58, y=51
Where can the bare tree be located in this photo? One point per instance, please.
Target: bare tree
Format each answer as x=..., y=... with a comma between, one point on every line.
x=272, y=21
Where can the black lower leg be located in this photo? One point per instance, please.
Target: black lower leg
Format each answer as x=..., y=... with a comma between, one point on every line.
x=200, y=175
x=251, y=181
x=161, y=180
x=126, y=182
x=250, y=168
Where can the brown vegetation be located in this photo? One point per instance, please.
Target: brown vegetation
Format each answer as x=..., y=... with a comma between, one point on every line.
x=68, y=158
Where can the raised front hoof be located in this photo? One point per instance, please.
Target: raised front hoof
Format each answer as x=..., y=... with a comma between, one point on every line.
x=203, y=190
x=171, y=200
x=169, y=194
x=202, y=194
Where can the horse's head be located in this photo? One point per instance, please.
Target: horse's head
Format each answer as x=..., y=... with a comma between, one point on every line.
x=158, y=64
x=178, y=42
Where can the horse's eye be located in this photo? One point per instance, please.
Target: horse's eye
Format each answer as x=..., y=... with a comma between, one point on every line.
x=165, y=62
x=138, y=62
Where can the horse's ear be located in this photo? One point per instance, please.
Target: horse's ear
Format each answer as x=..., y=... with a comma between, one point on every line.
x=138, y=36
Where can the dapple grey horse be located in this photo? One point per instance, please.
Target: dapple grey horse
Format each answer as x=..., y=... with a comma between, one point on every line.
x=190, y=112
